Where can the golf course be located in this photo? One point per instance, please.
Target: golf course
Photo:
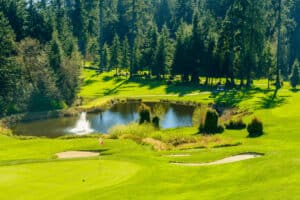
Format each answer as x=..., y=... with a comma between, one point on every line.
x=126, y=169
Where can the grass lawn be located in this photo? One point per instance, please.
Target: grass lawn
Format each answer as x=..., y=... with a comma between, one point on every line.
x=127, y=170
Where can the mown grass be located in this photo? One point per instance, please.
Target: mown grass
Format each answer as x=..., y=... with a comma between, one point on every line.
x=128, y=170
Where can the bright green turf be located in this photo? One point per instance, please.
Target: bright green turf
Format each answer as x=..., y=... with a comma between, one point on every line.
x=126, y=170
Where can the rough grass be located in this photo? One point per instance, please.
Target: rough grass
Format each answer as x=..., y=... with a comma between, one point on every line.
x=132, y=171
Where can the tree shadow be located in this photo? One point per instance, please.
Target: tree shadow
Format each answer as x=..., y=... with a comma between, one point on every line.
x=102, y=152
x=294, y=90
x=232, y=98
x=114, y=90
x=270, y=102
x=88, y=82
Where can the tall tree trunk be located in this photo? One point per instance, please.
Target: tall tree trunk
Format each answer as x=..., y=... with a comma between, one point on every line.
x=278, y=66
x=232, y=67
x=251, y=53
x=132, y=37
x=101, y=39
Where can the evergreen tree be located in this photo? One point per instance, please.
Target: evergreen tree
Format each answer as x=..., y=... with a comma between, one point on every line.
x=116, y=54
x=80, y=26
x=125, y=54
x=17, y=16
x=106, y=57
x=9, y=71
x=182, y=54
x=295, y=74
x=150, y=46
x=38, y=24
x=163, y=14
x=162, y=54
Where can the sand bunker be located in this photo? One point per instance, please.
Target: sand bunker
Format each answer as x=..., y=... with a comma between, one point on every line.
x=230, y=159
x=76, y=154
x=178, y=155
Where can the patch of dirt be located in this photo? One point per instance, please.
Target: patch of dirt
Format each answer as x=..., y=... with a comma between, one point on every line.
x=76, y=154
x=230, y=159
x=157, y=145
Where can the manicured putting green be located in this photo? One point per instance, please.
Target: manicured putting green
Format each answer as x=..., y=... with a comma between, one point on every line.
x=62, y=179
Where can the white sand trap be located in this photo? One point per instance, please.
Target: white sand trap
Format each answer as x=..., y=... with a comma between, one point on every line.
x=230, y=159
x=178, y=155
x=76, y=154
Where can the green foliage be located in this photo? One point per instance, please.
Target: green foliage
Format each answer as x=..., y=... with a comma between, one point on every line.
x=294, y=79
x=144, y=112
x=140, y=131
x=235, y=125
x=116, y=55
x=255, y=128
x=210, y=125
x=155, y=121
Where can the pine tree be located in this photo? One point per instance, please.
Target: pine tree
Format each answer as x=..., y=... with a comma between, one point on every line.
x=294, y=79
x=162, y=54
x=38, y=24
x=150, y=46
x=182, y=58
x=16, y=14
x=163, y=14
x=125, y=54
x=79, y=23
x=106, y=57
x=116, y=54
x=9, y=71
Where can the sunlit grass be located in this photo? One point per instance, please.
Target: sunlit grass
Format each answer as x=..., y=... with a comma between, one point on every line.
x=130, y=170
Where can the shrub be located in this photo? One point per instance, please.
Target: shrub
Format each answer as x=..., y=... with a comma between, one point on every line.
x=236, y=125
x=155, y=122
x=255, y=128
x=144, y=112
x=210, y=125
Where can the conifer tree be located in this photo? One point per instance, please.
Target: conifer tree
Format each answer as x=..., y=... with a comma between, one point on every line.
x=116, y=54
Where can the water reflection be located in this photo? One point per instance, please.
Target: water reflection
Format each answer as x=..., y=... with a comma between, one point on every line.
x=174, y=116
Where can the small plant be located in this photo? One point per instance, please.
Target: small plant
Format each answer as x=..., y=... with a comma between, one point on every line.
x=144, y=112
x=210, y=125
x=255, y=128
x=236, y=125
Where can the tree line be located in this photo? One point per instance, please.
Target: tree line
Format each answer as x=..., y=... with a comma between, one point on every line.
x=45, y=42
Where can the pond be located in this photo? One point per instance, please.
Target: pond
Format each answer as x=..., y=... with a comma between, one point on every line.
x=174, y=116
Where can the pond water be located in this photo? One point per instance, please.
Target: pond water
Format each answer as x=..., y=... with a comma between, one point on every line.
x=174, y=116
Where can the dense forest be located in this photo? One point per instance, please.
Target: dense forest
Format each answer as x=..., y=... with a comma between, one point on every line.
x=44, y=44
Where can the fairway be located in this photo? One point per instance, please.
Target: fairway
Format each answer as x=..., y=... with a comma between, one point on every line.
x=128, y=170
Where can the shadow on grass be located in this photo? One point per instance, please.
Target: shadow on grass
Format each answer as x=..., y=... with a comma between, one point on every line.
x=102, y=152
x=171, y=88
x=114, y=90
x=294, y=90
x=268, y=102
x=88, y=82
x=232, y=98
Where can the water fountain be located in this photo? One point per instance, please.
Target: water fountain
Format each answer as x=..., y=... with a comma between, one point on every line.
x=82, y=126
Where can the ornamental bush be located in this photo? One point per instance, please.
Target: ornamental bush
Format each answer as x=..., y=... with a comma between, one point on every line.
x=210, y=125
x=255, y=128
x=235, y=125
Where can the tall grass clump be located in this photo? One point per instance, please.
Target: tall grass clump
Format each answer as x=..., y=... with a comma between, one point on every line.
x=4, y=130
x=132, y=130
x=158, y=112
x=199, y=115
